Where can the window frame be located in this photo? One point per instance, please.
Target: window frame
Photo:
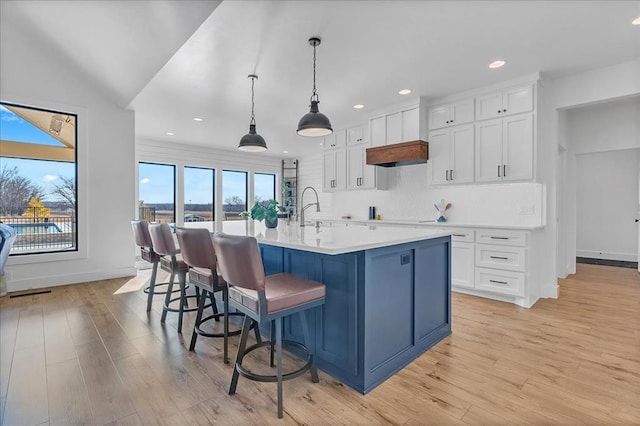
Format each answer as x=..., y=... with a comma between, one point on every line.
x=213, y=194
x=175, y=183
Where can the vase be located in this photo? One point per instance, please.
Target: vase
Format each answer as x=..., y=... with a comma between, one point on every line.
x=271, y=224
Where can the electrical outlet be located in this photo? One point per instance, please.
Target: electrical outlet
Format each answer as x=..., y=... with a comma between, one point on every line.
x=526, y=210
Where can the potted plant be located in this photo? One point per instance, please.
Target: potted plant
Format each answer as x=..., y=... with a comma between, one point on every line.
x=268, y=211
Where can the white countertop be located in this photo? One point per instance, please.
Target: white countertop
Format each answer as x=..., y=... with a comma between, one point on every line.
x=327, y=240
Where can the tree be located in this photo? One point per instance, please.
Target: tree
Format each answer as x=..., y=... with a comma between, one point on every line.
x=66, y=192
x=234, y=201
x=16, y=191
x=36, y=209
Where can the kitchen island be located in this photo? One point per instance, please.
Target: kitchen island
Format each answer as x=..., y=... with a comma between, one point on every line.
x=388, y=293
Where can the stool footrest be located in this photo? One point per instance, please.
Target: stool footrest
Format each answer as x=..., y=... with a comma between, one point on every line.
x=175, y=299
x=273, y=378
x=156, y=285
x=214, y=316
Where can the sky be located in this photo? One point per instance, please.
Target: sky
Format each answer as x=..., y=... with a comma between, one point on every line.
x=45, y=174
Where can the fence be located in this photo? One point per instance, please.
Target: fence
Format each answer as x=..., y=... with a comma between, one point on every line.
x=147, y=213
x=40, y=231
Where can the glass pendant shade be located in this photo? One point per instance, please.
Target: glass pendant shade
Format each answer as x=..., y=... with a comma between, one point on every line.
x=314, y=123
x=252, y=142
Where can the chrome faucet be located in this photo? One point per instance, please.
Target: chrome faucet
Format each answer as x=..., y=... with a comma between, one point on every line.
x=317, y=203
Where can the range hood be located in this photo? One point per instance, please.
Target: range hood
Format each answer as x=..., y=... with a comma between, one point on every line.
x=399, y=154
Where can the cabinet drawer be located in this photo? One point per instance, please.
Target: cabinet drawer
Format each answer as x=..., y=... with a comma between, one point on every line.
x=502, y=237
x=502, y=282
x=462, y=235
x=501, y=257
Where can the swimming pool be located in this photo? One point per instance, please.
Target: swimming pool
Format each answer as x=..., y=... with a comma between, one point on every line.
x=35, y=228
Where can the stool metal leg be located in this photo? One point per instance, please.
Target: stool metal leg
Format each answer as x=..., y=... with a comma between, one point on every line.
x=167, y=297
x=307, y=343
x=226, y=326
x=201, y=303
x=273, y=342
x=183, y=298
x=152, y=284
x=214, y=305
x=279, y=363
x=246, y=325
x=256, y=330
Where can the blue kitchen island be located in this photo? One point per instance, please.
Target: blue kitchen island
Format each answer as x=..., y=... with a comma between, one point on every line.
x=388, y=293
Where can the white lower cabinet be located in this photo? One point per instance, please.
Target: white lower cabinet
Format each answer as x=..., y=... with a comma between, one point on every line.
x=502, y=282
x=462, y=265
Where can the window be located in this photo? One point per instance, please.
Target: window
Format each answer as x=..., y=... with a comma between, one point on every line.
x=157, y=192
x=234, y=193
x=264, y=187
x=199, y=193
x=38, y=178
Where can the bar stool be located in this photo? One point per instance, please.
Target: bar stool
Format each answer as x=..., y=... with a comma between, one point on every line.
x=143, y=240
x=171, y=261
x=265, y=298
x=198, y=253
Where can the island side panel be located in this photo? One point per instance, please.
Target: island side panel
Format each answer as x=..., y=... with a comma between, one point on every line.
x=407, y=305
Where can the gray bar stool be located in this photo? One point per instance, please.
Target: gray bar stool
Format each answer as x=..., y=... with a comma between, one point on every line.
x=171, y=261
x=143, y=240
x=198, y=253
x=265, y=298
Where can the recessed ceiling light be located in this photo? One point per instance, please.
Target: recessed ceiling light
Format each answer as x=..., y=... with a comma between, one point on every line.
x=496, y=64
x=197, y=119
x=404, y=92
x=285, y=152
x=636, y=21
x=321, y=144
x=170, y=134
x=358, y=106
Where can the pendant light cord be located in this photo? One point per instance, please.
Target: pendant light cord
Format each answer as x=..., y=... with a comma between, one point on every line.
x=314, y=94
x=253, y=116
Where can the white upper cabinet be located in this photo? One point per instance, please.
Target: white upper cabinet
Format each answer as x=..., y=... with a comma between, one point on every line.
x=337, y=139
x=451, y=155
x=356, y=135
x=400, y=126
x=504, y=149
x=335, y=170
x=460, y=112
x=506, y=102
x=359, y=174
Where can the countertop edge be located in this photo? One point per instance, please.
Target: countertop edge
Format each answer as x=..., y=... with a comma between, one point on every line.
x=401, y=222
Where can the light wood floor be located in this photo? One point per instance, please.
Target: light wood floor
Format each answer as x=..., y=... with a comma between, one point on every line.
x=88, y=354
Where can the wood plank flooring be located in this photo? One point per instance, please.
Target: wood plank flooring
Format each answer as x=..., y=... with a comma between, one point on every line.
x=89, y=354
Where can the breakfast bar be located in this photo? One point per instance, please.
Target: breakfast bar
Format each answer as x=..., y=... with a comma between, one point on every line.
x=388, y=292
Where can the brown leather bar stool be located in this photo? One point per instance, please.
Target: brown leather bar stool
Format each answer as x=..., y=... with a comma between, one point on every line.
x=265, y=298
x=171, y=261
x=198, y=253
x=143, y=240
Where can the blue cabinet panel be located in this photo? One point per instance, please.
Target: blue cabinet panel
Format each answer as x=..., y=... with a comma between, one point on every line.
x=272, y=259
x=432, y=296
x=301, y=264
x=389, y=305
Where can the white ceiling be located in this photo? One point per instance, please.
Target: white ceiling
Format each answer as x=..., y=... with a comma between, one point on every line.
x=369, y=51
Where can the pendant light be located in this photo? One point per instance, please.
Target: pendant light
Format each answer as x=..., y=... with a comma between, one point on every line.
x=314, y=123
x=252, y=142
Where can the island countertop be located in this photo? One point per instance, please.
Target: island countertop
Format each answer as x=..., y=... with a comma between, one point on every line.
x=327, y=240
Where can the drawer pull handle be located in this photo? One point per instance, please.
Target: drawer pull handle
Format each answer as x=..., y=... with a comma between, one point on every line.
x=459, y=235
x=498, y=282
x=499, y=257
x=499, y=238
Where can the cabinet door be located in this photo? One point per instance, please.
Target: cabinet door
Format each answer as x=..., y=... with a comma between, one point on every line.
x=341, y=169
x=438, y=117
x=394, y=128
x=329, y=172
x=461, y=149
x=378, y=131
x=489, y=151
x=461, y=112
x=341, y=138
x=489, y=106
x=462, y=265
x=354, y=167
x=410, y=125
x=517, y=147
x=373, y=177
x=355, y=135
x=439, y=156
x=517, y=100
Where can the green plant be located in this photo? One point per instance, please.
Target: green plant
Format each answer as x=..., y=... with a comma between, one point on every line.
x=267, y=209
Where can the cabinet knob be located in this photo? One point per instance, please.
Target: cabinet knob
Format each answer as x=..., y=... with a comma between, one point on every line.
x=451, y=121
x=504, y=110
x=499, y=111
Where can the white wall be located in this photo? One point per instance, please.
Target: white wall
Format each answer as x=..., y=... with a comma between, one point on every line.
x=31, y=74
x=607, y=204
x=310, y=171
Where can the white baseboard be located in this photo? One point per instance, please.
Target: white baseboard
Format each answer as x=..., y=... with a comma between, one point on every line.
x=58, y=280
x=549, y=291
x=610, y=255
